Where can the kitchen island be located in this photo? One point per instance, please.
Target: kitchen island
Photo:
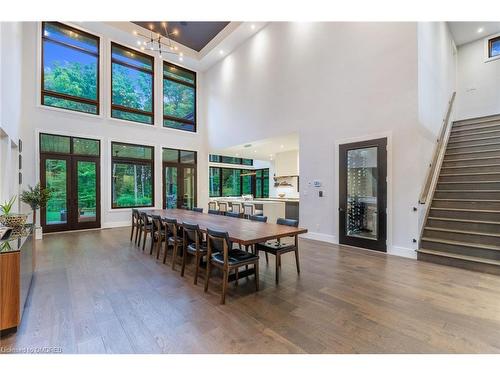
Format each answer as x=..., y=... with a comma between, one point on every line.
x=273, y=208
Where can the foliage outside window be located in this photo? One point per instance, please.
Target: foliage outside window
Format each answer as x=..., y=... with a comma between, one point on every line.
x=229, y=160
x=132, y=78
x=230, y=182
x=132, y=175
x=70, y=68
x=179, y=98
x=494, y=47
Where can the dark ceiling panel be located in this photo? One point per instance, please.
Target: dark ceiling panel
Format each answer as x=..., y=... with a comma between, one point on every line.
x=194, y=35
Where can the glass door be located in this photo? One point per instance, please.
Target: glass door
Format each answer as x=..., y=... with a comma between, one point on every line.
x=170, y=187
x=362, y=200
x=54, y=176
x=87, y=199
x=188, y=187
x=179, y=186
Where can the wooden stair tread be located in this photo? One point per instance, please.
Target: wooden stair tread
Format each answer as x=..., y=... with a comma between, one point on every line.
x=459, y=256
x=464, y=220
x=456, y=129
x=476, y=120
x=479, y=145
x=466, y=191
x=474, y=139
x=472, y=166
x=469, y=182
x=466, y=200
x=468, y=174
x=476, y=133
x=489, y=234
x=464, y=210
x=461, y=243
x=472, y=152
x=472, y=159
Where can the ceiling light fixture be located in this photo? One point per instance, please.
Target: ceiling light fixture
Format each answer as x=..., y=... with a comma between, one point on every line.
x=156, y=42
x=252, y=26
x=480, y=30
x=221, y=51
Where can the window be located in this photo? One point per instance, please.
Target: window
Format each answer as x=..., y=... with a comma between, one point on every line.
x=132, y=80
x=229, y=160
x=231, y=182
x=132, y=180
x=179, y=98
x=61, y=144
x=494, y=47
x=179, y=178
x=70, y=68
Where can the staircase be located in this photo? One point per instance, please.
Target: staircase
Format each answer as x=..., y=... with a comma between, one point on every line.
x=462, y=228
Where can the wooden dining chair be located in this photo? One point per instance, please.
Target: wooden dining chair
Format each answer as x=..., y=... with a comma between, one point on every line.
x=146, y=228
x=136, y=223
x=262, y=219
x=198, y=209
x=220, y=254
x=233, y=214
x=212, y=205
x=193, y=245
x=223, y=208
x=175, y=239
x=278, y=248
x=213, y=212
x=159, y=234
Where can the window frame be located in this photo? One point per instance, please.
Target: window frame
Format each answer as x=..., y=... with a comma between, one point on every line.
x=127, y=109
x=71, y=145
x=241, y=170
x=214, y=158
x=129, y=160
x=491, y=40
x=72, y=98
x=192, y=85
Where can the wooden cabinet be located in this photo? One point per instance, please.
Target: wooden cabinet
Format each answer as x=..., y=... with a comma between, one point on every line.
x=287, y=163
x=17, y=264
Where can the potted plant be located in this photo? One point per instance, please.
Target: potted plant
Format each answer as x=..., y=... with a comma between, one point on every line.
x=10, y=219
x=36, y=197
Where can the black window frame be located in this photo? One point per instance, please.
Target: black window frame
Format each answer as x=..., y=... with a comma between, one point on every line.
x=490, y=46
x=238, y=161
x=121, y=108
x=133, y=161
x=44, y=92
x=242, y=171
x=181, y=82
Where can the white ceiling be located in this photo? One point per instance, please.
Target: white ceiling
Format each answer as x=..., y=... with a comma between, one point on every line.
x=264, y=149
x=465, y=32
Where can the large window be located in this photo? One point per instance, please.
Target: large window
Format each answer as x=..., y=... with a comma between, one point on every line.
x=132, y=78
x=132, y=180
x=231, y=182
x=70, y=68
x=229, y=160
x=179, y=98
x=494, y=47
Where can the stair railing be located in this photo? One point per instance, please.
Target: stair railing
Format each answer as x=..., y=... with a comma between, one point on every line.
x=437, y=160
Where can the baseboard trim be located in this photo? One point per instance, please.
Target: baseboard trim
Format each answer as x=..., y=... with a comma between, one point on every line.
x=320, y=237
x=116, y=224
x=402, y=252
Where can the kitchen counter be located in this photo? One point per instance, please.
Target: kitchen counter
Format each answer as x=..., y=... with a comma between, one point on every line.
x=273, y=208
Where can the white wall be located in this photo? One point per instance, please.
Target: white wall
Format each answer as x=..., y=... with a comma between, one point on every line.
x=437, y=76
x=332, y=84
x=478, y=91
x=37, y=118
x=10, y=106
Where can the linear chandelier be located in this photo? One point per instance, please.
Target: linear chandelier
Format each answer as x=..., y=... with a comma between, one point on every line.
x=156, y=42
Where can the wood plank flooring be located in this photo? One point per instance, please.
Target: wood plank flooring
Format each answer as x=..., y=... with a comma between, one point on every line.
x=95, y=292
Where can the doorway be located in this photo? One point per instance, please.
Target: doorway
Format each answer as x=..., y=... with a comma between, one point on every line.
x=70, y=168
x=363, y=194
x=179, y=179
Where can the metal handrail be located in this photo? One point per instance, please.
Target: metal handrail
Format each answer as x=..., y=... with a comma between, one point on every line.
x=441, y=142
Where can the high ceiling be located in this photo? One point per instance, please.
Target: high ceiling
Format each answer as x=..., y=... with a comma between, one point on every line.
x=465, y=32
x=194, y=35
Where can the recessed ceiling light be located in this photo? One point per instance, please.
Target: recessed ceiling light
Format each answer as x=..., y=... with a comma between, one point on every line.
x=480, y=30
x=221, y=51
x=252, y=26
x=282, y=146
x=180, y=58
x=255, y=151
x=134, y=32
x=138, y=42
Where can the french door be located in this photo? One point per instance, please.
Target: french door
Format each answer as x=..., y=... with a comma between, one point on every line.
x=363, y=194
x=179, y=186
x=75, y=192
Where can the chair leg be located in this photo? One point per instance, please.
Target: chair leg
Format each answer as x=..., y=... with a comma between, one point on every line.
x=174, y=257
x=132, y=232
x=256, y=267
x=136, y=234
x=144, y=240
x=236, y=275
x=165, y=253
x=197, y=268
x=152, y=243
x=297, y=260
x=140, y=236
x=267, y=258
x=224, y=287
x=158, y=248
x=184, y=255
x=277, y=268
x=207, y=278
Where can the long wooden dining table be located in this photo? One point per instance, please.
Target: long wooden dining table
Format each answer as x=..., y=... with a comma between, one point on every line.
x=241, y=231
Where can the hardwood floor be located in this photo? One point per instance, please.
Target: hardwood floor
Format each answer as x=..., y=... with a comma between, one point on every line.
x=95, y=292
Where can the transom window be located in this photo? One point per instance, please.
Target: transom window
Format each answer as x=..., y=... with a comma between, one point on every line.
x=132, y=80
x=179, y=98
x=70, y=68
x=494, y=47
x=132, y=175
x=232, y=182
x=229, y=160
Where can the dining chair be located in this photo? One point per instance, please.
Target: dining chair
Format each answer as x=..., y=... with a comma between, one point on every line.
x=174, y=239
x=223, y=208
x=212, y=205
x=213, y=212
x=146, y=227
x=193, y=245
x=220, y=254
x=136, y=222
x=278, y=248
x=159, y=234
x=198, y=209
x=233, y=214
x=262, y=219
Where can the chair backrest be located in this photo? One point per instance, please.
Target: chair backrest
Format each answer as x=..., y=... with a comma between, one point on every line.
x=236, y=207
x=192, y=232
x=248, y=209
x=135, y=216
x=157, y=223
x=198, y=209
x=145, y=218
x=262, y=219
x=171, y=225
x=289, y=222
x=218, y=242
x=212, y=205
x=213, y=212
x=233, y=214
x=223, y=206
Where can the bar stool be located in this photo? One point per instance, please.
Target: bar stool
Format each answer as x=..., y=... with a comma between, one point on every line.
x=248, y=210
x=212, y=206
x=223, y=207
x=236, y=208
